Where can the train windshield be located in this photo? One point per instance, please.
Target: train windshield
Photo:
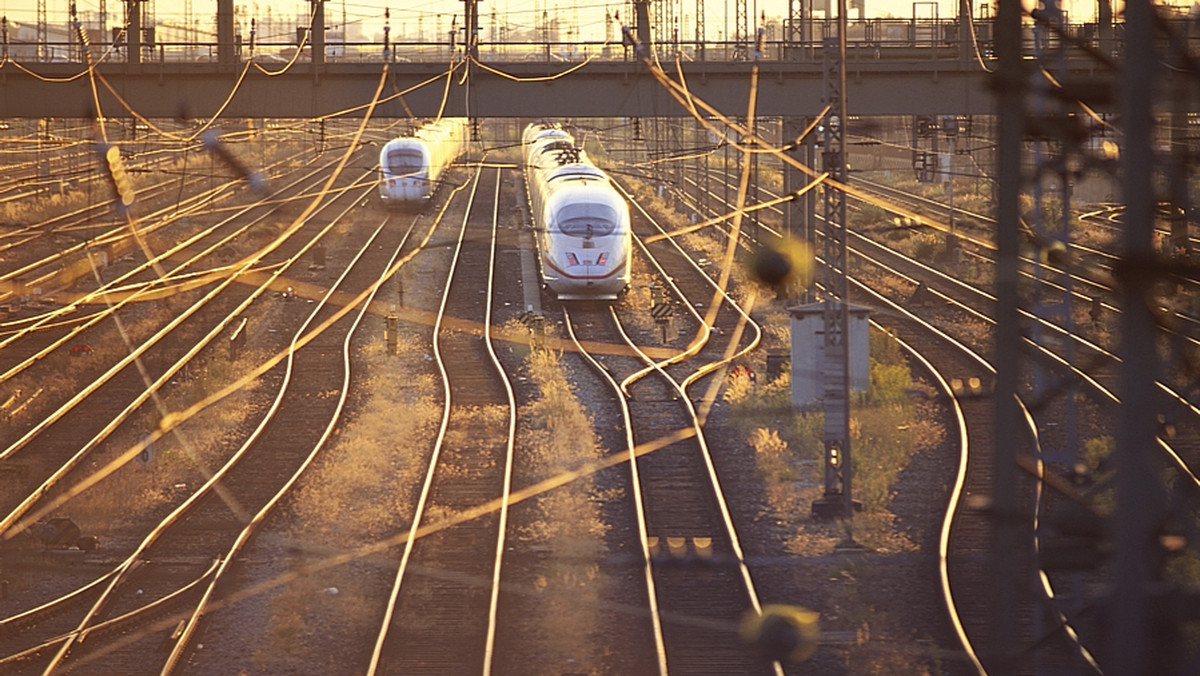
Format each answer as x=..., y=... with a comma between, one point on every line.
x=587, y=220
x=405, y=161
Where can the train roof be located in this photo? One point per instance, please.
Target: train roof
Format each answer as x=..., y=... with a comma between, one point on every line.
x=560, y=157
x=581, y=171
x=434, y=131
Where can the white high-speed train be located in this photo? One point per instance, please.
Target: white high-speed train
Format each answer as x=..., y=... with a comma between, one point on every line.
x=410, y=166
x=582, y=222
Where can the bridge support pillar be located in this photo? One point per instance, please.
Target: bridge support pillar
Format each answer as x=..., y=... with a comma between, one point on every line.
x=641, y=9
x=226, y=47
x=966, y=36
x=133, y=34
x=318, y=35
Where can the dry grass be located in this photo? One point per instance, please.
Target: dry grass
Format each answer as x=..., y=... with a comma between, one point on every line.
x=309, y=607
x=43, y=207
x=557, y=436
x=139, y=493
x=885, y=431
x=363, y=486
x=361, y=490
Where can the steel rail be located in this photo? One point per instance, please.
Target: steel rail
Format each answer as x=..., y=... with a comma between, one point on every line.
x=125, y=618
x=129, y=293
x=714, y=481
x=956, y=503
x=510, y=445
x=209, y=484
x=637, y=490
x=7, y=523
x=427, y=483
x=193, y=621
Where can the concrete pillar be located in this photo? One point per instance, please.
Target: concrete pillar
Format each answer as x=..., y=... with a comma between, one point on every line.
x=318, y=34
x=226, y=48
x=133, y=38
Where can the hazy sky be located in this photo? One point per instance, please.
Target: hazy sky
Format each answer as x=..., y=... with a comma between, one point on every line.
x=587, y=14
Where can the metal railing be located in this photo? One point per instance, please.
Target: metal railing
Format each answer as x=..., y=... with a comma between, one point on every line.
x=866, y=39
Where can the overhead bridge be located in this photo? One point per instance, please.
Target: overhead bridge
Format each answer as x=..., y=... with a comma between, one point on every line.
x=893, y=67
x=889, y=85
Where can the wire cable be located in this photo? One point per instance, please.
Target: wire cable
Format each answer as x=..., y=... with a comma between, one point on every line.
x=539, y=78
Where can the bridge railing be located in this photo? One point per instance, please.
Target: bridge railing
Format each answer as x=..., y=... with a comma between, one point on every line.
x=874, y=38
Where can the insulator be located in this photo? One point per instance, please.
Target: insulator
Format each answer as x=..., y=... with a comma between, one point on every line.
x=118, y=176
x=213, y=142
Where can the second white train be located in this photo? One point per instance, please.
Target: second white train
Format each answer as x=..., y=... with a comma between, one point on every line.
x=411, y=166
x=582, y=222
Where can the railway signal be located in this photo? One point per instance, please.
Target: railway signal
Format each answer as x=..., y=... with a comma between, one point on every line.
x=663, y=314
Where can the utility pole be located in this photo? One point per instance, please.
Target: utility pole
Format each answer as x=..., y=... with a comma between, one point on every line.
x=742, y=30
x=838, y=498
x=318, y=35
x=43, y=50
x=966, y=37
x=1140, y=624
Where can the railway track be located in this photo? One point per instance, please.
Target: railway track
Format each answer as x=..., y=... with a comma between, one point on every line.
x=441, y=615
x=1058, y=633
x=62, y=469
x=684, y=561
x=697, y=579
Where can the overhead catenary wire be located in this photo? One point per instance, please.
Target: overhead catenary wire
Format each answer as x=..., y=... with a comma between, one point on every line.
x=680, y=92
x=170, y=420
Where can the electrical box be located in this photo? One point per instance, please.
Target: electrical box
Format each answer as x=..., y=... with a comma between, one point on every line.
x=808, y=352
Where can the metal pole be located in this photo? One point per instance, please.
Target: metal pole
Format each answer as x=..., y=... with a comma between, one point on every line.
x=472, y=27
x=1131, y=617
x=966, y=42
x=133, y=36
x=1104, y=20
x=1007, y=532
x=792, y=178
x=838, y=499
